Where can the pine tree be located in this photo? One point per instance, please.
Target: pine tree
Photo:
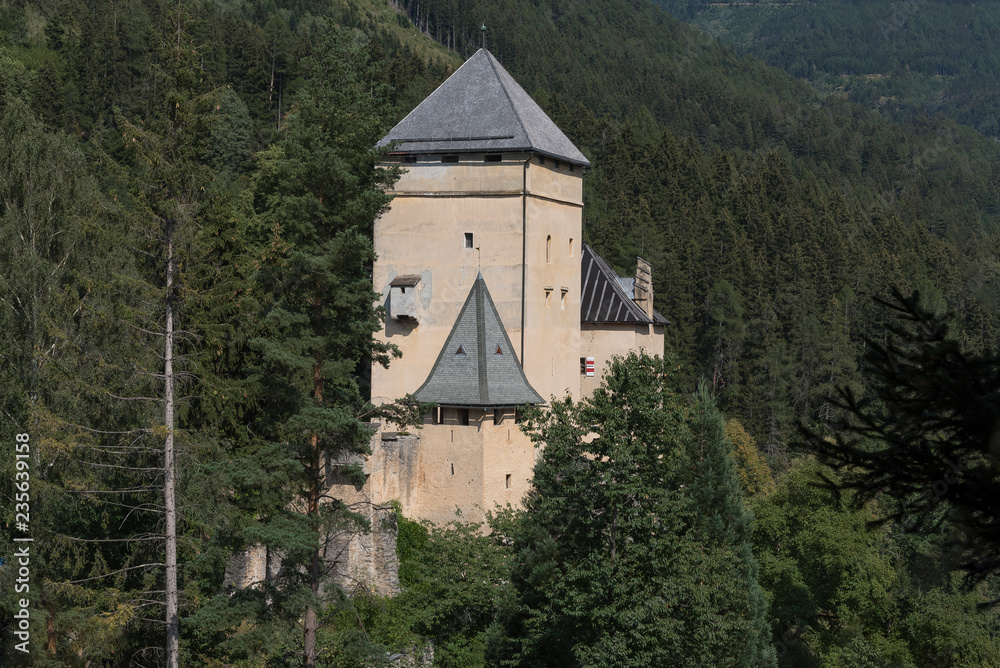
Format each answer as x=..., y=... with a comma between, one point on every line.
x=320, y=189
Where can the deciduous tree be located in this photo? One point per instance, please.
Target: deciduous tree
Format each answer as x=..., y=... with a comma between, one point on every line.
x=634, y=545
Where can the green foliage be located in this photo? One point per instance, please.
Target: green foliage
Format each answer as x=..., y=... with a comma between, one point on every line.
x=754, y=472
x=823, y=568
x=908, y=60
x=927, y=436
x=633, y=546
x=411, y=537
x=845, y=594
x=458, y=581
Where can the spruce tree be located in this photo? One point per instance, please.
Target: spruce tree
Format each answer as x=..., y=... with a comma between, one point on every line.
x=727, y=526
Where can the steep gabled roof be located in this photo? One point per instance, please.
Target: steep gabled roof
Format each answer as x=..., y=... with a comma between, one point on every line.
x=477, y=365
x=480, y=108
x=603, y=298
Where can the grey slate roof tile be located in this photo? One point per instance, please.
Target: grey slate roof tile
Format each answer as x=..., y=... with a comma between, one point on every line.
x=480, y=108
x=468, y=370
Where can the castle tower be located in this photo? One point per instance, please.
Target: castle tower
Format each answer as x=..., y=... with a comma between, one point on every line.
x=485, y=220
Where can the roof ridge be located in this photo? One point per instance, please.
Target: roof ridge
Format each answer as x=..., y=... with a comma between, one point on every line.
x=517, y=114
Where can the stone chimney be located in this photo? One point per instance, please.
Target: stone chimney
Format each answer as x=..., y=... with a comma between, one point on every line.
x=644, y=286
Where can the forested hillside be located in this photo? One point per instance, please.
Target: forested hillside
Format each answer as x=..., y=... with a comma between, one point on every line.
x=188, y=191
x=910, y=60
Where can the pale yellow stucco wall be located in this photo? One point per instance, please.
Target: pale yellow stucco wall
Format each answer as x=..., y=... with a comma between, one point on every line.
x=515, y=209
x=439, y=468
x=604, y=341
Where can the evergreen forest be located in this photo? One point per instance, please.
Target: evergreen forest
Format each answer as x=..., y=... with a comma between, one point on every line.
x=910, y=60
x=805, y=477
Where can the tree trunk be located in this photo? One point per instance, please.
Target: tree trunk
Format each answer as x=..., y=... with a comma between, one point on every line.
x=311, y=620
x=173, y=639
x=50, y=631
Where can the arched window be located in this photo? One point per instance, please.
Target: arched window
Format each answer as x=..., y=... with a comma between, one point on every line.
x=548, y=249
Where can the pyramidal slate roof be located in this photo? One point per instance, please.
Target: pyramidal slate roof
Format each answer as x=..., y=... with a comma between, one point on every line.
x=477, y=365
x=602, y=296
x=480, y=108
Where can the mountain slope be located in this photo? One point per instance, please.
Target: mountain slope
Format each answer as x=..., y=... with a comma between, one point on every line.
x=907, y=59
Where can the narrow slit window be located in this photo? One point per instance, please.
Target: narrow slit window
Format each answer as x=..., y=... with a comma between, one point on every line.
x=453, y=469
x=562, y=299
x=548, y=298
x=571, y=248
x=548, y=249
x=508, y=481
x=468, y=240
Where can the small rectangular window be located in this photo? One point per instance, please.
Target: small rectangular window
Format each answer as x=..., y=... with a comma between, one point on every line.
x=497, y=416
x=463, y=416
x=562, y=299
x=571, y=168
x=409, y=159
x=558, y=164
x=468, y=240
x=548, y=298
x=494, y=157
x=541, y=160
x=449, y=158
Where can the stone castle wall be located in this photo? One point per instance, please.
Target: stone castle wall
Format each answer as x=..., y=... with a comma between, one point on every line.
x=354, y=559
